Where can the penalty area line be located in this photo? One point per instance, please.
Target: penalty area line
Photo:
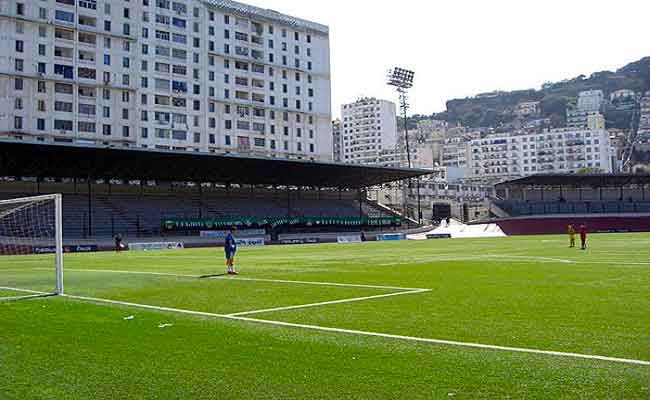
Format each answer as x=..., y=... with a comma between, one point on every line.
x=225, y=277
x=32, y=294
x=352, y=285
x=370, y=334
x=111, y=271
x=325, y=303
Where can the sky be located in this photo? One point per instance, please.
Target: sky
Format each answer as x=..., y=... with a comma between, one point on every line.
x=460, y=48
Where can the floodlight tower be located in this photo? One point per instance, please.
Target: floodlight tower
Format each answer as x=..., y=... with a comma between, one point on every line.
x=402, y=80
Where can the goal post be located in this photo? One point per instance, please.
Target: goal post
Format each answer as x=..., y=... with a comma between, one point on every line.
x=31, y=246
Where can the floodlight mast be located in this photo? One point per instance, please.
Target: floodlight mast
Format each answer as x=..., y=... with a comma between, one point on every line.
x=402, y=80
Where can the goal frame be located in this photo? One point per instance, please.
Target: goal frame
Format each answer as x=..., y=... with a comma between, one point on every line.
x=58, y=227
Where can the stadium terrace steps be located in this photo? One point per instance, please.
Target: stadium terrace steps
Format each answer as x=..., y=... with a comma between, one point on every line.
x=136, y=214
x=515, y=208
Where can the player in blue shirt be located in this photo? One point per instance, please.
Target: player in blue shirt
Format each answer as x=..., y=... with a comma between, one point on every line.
x=231, y=248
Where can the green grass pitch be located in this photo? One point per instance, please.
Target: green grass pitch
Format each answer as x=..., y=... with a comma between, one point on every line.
x=523, y=292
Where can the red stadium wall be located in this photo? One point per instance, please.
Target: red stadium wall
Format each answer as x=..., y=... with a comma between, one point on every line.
x=558, y=224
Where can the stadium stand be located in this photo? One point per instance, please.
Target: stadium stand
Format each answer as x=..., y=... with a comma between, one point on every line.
x=141, y=215
x=109, y=191
x=548, y=203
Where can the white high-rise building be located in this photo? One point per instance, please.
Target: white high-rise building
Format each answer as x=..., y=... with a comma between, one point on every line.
x=565, y=150
x=336, y=140
x=196, y=75
x=455, y=152
x=369, y=131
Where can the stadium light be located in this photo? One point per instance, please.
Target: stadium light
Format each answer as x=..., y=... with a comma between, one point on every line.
x=402, y=79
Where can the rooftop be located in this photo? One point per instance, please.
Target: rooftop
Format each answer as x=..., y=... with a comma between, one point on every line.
x=267, y=15
x=579, y=180
x=99, y=162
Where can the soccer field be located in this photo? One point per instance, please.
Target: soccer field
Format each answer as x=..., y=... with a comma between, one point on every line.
x=519, y=317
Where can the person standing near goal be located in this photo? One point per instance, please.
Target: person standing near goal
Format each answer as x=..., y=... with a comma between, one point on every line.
x=230, y=249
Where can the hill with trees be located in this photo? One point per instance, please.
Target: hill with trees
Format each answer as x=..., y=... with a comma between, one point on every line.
x=498, y=108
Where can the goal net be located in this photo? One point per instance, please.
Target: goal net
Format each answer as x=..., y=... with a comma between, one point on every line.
x=31, y=247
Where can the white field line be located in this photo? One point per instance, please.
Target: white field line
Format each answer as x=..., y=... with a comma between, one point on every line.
x=325, y=303
x=320, y=283
x=455, y=257
x=13, y=289
x=109, y=271
x=600, y=282
x=517, y=259
x=351, y=331
x=367, y=333
x=536, y=258
x=613, y=262
x=229, y=278
x=401, y=290
x=33, y=294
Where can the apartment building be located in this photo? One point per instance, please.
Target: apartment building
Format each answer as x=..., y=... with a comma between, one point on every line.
x=643, y=134
x=455, y=152
x=579, y=119
x=189, y=75
x=528, y=108
x=369, y=131
x=591, y=100
x=586, y=114
x=565, y=150
x=336, y=140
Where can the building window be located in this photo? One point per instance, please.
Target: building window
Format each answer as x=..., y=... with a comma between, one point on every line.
x=64, y=16
x=62, y=125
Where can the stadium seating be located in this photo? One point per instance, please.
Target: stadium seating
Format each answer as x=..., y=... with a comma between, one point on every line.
x=137, y=214
x=516, y=208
